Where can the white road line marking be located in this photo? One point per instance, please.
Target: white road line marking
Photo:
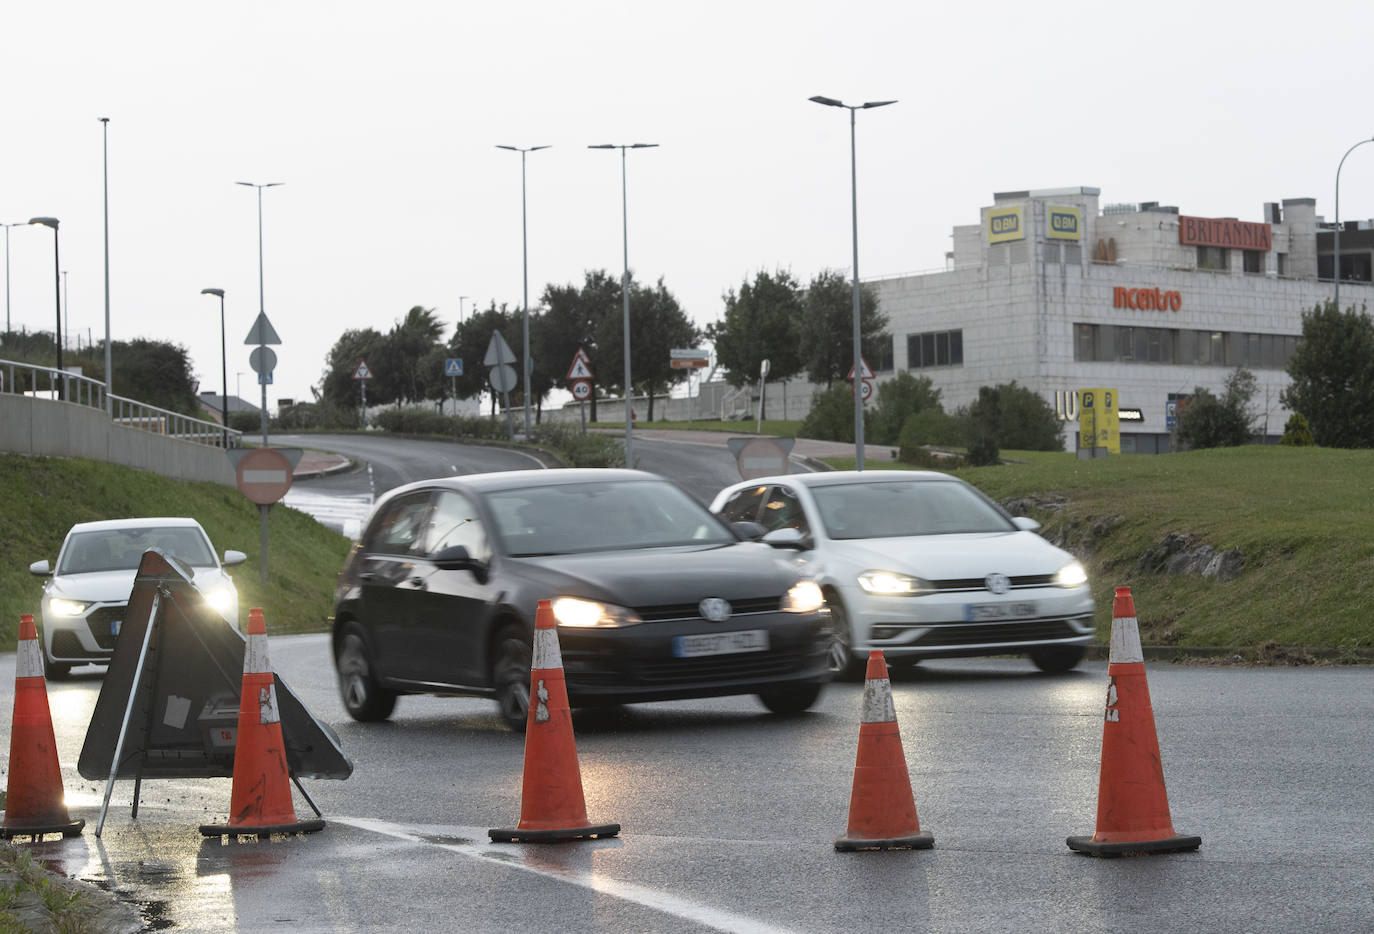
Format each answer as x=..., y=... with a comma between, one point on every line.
x=715, y=918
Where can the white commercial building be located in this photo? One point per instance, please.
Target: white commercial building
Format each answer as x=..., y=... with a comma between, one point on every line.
x=1059, y=293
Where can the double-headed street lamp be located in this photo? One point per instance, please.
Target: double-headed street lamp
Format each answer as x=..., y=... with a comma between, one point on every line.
x=1336, y=263
x=262, y=305
x=223, y=365
x=525, y=261
x=56, y=282
x=625, y=289
x=854, y=212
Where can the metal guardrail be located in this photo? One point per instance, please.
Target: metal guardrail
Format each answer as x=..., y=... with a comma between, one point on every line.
x=49, y=383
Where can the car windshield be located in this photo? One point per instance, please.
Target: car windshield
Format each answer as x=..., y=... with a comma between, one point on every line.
x=572, y=518
x=912, y=507
x=122, y=549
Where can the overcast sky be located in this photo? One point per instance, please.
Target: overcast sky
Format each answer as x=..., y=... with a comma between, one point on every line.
x=381, y=119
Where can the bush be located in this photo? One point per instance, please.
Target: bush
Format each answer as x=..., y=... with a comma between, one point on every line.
x=246, y=422
x=983, y=451
x=832, y=415
x=1027, y=421
x=898, y=399
x=1297, y=433
x=1211, y=421
x=937, y=427
x=579, y=450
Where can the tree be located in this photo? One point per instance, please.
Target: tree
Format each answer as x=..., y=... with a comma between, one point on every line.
x=400, y=371
x=573, y=318
x=1297, y=433
x=662, y=326
x=1333, y=376
x=898, y=399
x=471, y=340
x=337, y=386
x=827, y=336
x=1211, y=421
x=1028, y=422
x=153, y=372
x=985, y=427
x=762, y=322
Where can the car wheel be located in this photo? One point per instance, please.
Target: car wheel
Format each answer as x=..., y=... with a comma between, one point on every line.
x=791, y=700
x=843, y=665
x=54, y=671
x=1056, y=658
x=365, y=700
x=510, y=675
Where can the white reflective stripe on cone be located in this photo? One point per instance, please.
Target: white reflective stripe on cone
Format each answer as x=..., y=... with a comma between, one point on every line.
x=28, y=663
x=546, y=654
x=877, y=707
x=255, y=661
x=267, y=704
x=1125, y=641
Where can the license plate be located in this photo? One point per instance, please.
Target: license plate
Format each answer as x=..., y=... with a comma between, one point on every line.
x=982, y=612
x=114, y=626
x=720, y=643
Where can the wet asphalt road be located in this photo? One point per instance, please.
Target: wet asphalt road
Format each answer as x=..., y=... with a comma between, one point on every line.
x=729, y=814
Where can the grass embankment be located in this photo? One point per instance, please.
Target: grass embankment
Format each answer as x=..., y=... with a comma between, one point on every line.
x=44, y=496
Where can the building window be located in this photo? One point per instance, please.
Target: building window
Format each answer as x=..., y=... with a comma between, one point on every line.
x=1283, y=263
x=879, y=353
x=1113, y=343
x=935, y=348
x=1213, y=257
x=1253, y=261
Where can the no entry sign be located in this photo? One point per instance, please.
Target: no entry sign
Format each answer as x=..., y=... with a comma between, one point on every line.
x=264, y=475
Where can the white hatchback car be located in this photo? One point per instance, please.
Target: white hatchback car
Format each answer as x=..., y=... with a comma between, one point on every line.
x=87, y=591
x=921, y=564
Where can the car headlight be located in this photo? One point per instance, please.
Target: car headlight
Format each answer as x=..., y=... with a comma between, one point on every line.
x=60, y=607
x=1071, y=575
x=892, y=584
x=221, y=599
x=803, y=597
x=576, y=613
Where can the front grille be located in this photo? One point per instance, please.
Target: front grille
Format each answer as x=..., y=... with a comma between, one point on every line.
x=681, y=611
x=989, y=633
x=1021, y=582
x=99, y=620
x=670, y=671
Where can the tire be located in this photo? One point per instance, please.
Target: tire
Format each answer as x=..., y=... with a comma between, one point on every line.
x=790, y=701
x=842, y=663
x=365, y=700
x=510, y=676
x=1057, y=658
x=54, y=671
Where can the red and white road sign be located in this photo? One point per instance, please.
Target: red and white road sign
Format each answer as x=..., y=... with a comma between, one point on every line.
x=865, y=389
x=867, y=373
x=263, y=475
x=362, y=372
x=581, y=366
x=581, y=390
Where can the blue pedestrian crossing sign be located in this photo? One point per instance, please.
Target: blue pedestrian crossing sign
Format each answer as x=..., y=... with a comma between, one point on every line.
x=453, y=366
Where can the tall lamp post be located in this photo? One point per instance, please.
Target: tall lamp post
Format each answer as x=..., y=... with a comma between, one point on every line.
x=7, y=227
x=854, y=217
x=105, y=165
x=1336, y=260
x=223, y=366
x=525, y=263
x=262, y=305
x=625, y=289
x=56, y=285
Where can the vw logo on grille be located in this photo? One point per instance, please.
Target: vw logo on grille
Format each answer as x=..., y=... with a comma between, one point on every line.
x=715, y=609
x=997, y=583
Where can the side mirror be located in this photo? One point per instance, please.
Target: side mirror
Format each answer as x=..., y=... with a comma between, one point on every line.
x=1026, y=524
x=40, y=568
x=788, y=538
x=749, y=530
x=232, y=557
x=456, y=558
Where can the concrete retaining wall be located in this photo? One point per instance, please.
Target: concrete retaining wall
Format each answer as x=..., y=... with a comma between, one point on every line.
x=63, y=429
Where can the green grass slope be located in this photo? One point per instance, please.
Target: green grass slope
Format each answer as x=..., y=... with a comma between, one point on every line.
x=41, y=497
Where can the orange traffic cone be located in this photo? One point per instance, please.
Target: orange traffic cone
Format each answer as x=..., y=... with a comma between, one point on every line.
x=1132, y=807
x=34, y=802
x=260, y=802
x=552, y=807
x=882, y=810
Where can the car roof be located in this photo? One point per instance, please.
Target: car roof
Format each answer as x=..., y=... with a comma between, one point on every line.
x=509, y=479
x=841, y=477
x=144, y=523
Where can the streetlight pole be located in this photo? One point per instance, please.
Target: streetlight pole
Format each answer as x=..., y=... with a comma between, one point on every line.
x=625, y=289
x=105, y=164
x=525, y=262
x=67, y=311
x=223, y=366
x=461, y=299
x=56, y=284
x=7, y=227
x=262, y=305
x=854, y=219
x=1336, y=260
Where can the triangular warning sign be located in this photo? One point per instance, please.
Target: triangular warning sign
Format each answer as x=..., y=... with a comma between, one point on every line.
x=362, y=372
x=867, y=373
x=498, y=351
x=262, y=332
x=581, y=367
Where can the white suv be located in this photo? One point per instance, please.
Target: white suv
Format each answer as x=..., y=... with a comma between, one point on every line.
x=88, y=590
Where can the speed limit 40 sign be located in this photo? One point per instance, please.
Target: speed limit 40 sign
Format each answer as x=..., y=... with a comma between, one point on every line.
x=581, y=390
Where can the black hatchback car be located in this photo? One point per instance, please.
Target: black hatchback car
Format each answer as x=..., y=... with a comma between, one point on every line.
x=655, y=597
